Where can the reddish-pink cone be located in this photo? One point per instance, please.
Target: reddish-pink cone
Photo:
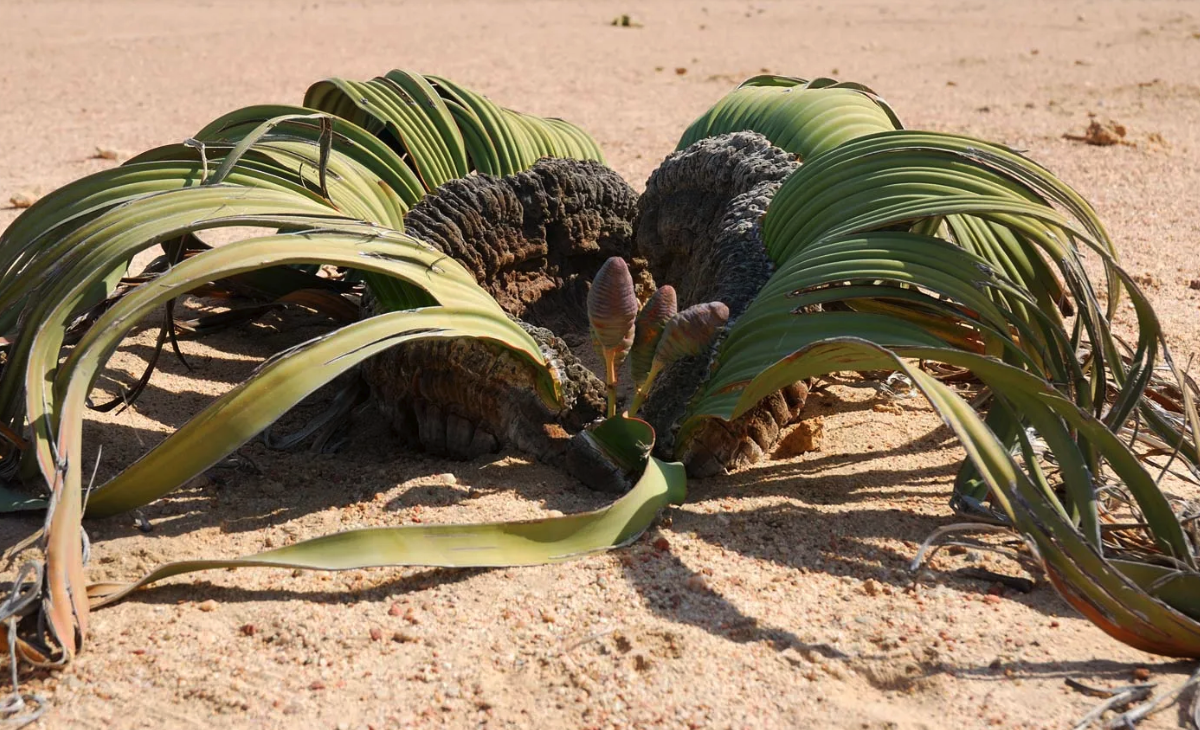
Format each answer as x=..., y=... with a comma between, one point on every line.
x=690, y=331
x=612, y=309
x=651, y=321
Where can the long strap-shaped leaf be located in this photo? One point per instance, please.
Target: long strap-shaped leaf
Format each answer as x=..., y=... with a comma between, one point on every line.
x=235, y=418
x=491, y=544
x=804, y=118
x=87, y=257
x=331, y=157
x=288, y=168
x=350, y=139
x=504, y=142
x=771, y=328
x=1131, y=603
x=175, y=166
x=436, y=155
x=239, y=415
x=996, y=204
x=246, y=409
x=1033, y=396
x=33, y=244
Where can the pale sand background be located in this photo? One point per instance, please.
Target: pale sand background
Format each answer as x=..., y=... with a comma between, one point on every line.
x=759, y=613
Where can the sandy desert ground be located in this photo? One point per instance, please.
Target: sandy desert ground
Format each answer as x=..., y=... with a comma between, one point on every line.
x=781, y=598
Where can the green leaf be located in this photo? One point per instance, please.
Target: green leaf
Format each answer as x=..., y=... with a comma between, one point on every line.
x=622, y=441
x=804, y=118
x=493, y=544
x=335, y=177
x=1121, y=597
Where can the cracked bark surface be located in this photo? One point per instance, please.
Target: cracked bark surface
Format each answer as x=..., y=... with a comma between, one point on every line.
x=533, y=240
x=699, y=229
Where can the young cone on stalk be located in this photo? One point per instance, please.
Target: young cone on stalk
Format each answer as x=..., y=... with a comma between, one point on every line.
x=610, y=452
x=684, y=334
x=651, y=321
x=612, y=309
x=653, y=338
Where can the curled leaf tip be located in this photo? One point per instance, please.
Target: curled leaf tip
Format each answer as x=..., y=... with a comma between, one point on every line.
x=690, y=331
x=612, y=308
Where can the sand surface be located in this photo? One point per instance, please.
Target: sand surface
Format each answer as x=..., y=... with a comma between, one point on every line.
x=779, y=597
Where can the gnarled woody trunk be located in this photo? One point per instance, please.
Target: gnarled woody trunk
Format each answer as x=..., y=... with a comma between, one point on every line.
x=534, y=241
x=699, y=229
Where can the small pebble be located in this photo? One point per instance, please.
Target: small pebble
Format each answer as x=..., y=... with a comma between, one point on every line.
x=376, y=634
x=208, y=606
x=662, y=544
x=1141, y=674
x=396, y=610
x=24, y=200
x=871, y=587
x=249, y=629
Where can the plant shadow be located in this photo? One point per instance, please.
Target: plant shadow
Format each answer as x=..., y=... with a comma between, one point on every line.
x=783, y=513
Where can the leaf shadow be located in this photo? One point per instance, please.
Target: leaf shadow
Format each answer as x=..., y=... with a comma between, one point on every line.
x=414, y=582
x=770, y=500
